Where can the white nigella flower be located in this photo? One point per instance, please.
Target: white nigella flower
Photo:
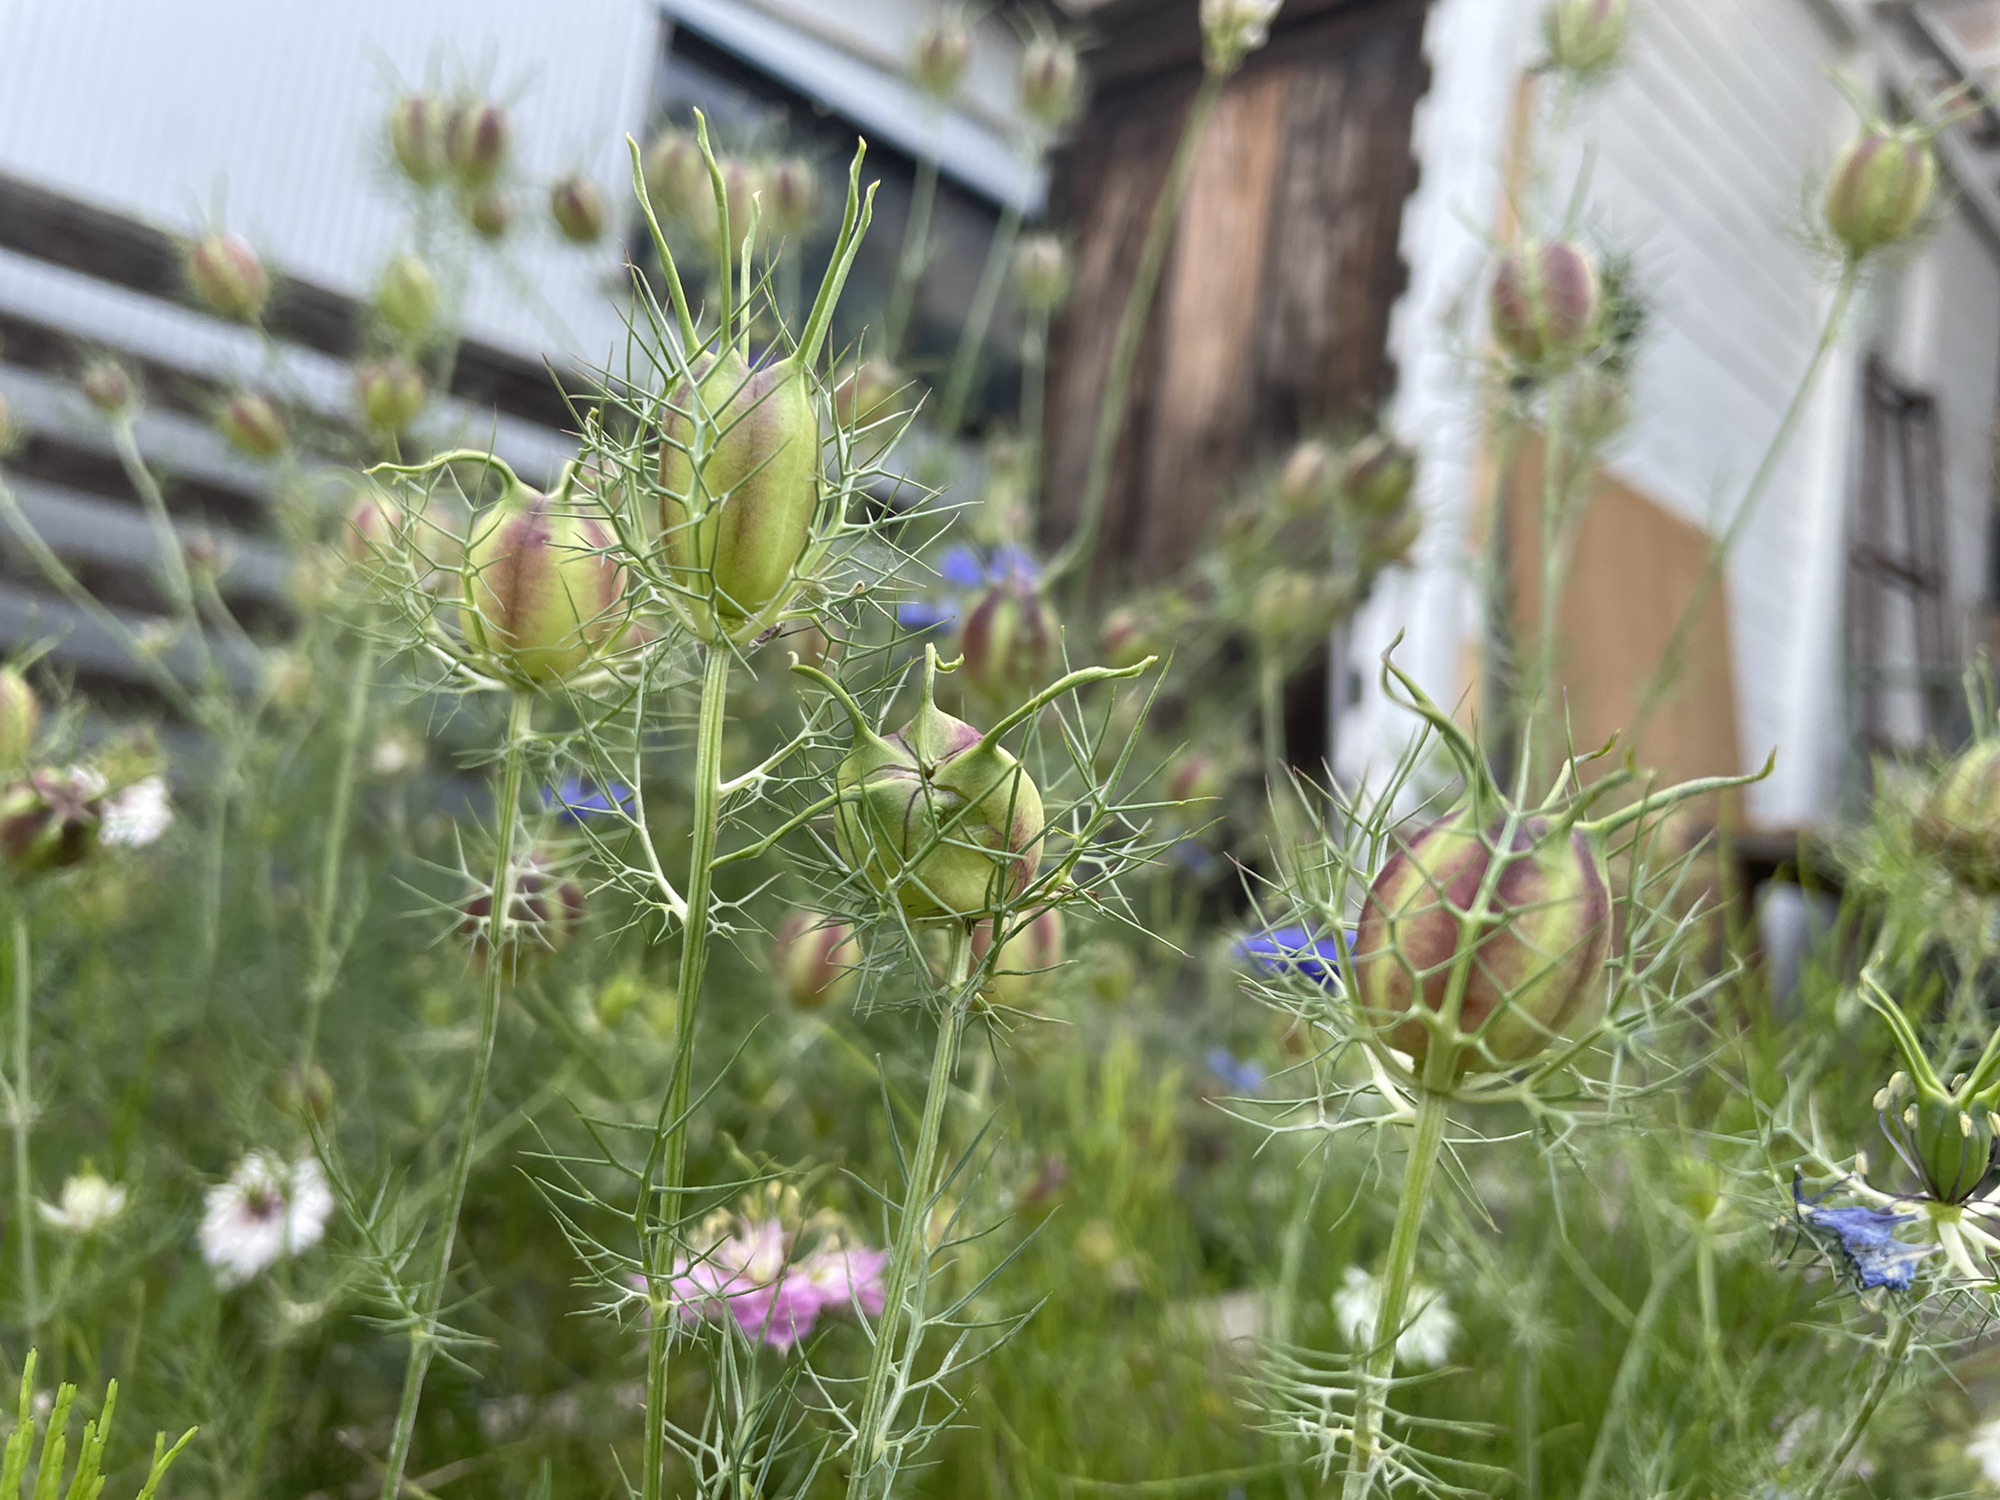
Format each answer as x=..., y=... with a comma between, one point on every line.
x=1426, y=1340
x=268, y=1209
x=1984, y=1449
x=1232, y=28
x=138, y=815
x=88, y=1203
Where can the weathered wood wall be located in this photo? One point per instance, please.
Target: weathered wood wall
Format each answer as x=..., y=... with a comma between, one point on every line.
x=1273, y=312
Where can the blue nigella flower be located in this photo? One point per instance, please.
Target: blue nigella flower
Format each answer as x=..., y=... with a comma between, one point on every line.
x=1294, y=950
x=966, y=570
x=1242, y=1077
x=1866, y=1239
x=577, y=799
x=1190, y=856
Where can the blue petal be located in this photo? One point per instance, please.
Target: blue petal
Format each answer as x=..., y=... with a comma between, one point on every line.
x=960, y=567
x=925, y=614
x=1243, y=1077
x=1190, y=856
x=1866, y=1239
x=577, y=799
x=1012, y=564
x=1294, y=950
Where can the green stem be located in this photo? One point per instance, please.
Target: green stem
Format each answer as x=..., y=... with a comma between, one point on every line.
x=321, y=964
x=1082, y=546
x=1528, y=1422
x=916, y=252
x=978, y=319
x=423, y=1337
x=878, y=1402
x=173, y=562
x=1886, y=1370
x=1631, y=1365
x=24, y=1121
x=1372, y=1396
x=1668, y=668
x=660, y=1237
x=1034, y=405
x=1555, y=539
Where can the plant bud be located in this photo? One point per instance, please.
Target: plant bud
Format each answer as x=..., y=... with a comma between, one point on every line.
x=251, y=425
x=740, y=472
x=20, y=717
x=939, y=59
x=935, y=818
x=1026, y=961
x=488, y=212
x=544, y=912
x=577, y=205
x=1290, y=606
x=1378, y=476
x=428, y=542
x=1584, y=37
x=1231, y=29
x=306, y=1096
x=1534, y=969
x=815, y=960
x=1308, y=481
x=1041, y=272
x=228, y=277
x=1960, y=820
x=407, y=295
x=1195, y=777
x=791, y=197
x=1393, y=539
x=475, y=140
x=49, y=820
x=541, y=594
x=1546, y=303
x=1128, y=637
x=109, y=386
x=1011, y=642
x=416, y=136
x=391, y=393
x=1880, y=186
x=873, y=391
x=1049, y=75
x=677, y=181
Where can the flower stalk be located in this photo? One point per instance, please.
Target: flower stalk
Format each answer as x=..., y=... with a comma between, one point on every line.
x=24, y=1119
x=322, y=963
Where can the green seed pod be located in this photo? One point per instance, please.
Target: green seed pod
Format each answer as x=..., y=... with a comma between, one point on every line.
x=1309, y=480
x=416, y=137
x=1534, y=971
x=940, y=57
x=1948, y=1142
x=20, y=717
x=407, y=295
x=250, y=424
x=488, y=212
x=873, y=391
x=1026, y=962
x=429, y=543
x=227, y=276
x=49, y=820
x=816, y=960
x=1010, y=641
x=541, y=594
x=791, y=197
x=391, y=393
x=1041, y=272
x=475, y=140
x=1394, y=538
x=1291, y=605
x=577, y=206
x=1049, y=77
x=1193, y=776
x=936, y=818
x=305, y=1095
x=1128, y=636
x=109, y=386
x=677, y=181
x=1584, y=37
x=1880, y=186
x=1378, y=476
x=1547, y=304
x=1960, y=820
x=739, y=475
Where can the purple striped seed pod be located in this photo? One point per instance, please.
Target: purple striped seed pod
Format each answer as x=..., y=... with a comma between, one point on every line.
x=1377, y=476
x=939, y=59
x=541, y=595
x=109, y=386
x=1050, y=74
x=1879, y=188
x=816, y=960
x=1535, y=970
x=417, y=136
x=407, y=295
x=577, y=206
x=1584, y=37
x=1547, y=303
x=739, y=478
x=251, y=425
x=1010, y=641
x=791, y=197
x=489, y=212
x=228, y=277
x=475, y=140
x=391, y=394
x=1027, y=960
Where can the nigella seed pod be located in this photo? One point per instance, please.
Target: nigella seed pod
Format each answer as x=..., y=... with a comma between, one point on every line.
x=1584, y=37
x=475, y=140
x=541, y=594
x=791, y=197
x=816, y=960
x=1290, y=605
x=742, y=193
x=1049, y=74
x=577, y=206
x=416, y=137
x=1394, y=538
x=1959, y=823
x=1027, y=960
x=109, y=386
x=1309, y=480
x=936, y=817
x=306, y=1095
x=1530, y=970
x=50, y=819
x=1547, y=302
x=391, y=393
x=1946, y=1140
x=739, y=474
x=545, y=910
x=251, y=425
x=872, y=391
x=1378, y=476
x=1880, y=186
x=1041, y=272
x=429, y=543
x=20, y=717
x=1195, y=777
x=228, y=277
x=488, y=212
x=677, y=181
x=939, y=59
x=407, y=295
x=1010, y=641
x=1128, y=636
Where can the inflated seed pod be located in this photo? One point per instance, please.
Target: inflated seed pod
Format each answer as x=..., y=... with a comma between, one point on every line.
x=1547, y=303
x=577, y=206
x=1584, y=37
x=20, y=718
x=815, y=960
x=407, y=295
x=1959, y=822
x=1010, y=641
x=228, y=277
x=250, y=424
x=416, y=138
x=391, y=394
x=475, y=140
x=541, y=594
x=1879, y=188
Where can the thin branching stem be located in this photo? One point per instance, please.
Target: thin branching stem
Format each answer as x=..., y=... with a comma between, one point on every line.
x=1887, y=1367
x=1631, y=1365
x=322, y=963
x=423, y=1336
